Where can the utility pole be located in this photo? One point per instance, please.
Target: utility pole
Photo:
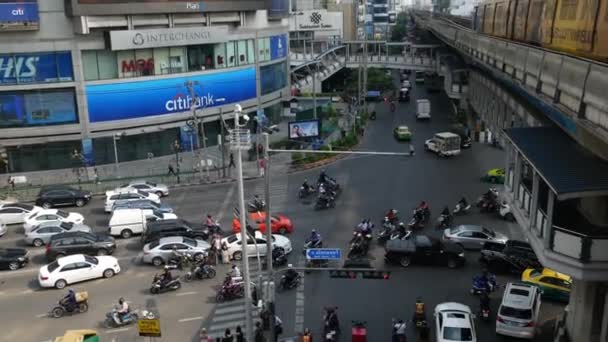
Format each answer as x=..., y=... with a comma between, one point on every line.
x=223, y=148
x=115, y=137
x=314, y=91
x=269, y=285
x=238, y=143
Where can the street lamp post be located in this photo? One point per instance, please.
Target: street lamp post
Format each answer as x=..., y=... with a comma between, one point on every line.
x=176, y=148
x=116, y=137
x=240, y=139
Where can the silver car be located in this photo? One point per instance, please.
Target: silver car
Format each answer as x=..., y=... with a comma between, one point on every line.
x=472, y=237
x=160, y=251
x=150, y=187
x=141, y=204
x=42, y=234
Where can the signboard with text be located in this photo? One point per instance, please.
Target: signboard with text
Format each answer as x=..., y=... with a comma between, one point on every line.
x=149, y=327
x=37, y=67
x=142, y=39
x=315, y=20
x=278, y=46
x=19, y=15
x=137, y=99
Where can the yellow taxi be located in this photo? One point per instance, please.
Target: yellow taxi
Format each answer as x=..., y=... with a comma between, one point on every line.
x=554, y=285
x=82, y=335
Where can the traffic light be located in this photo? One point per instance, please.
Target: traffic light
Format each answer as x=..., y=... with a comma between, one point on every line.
x=365, y=274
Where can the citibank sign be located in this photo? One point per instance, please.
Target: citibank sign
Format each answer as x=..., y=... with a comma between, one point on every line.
x=140, y=39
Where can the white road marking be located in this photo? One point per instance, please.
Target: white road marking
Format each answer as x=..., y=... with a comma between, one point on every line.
x=197, y=318
x=220, y=215
x=42, y=315
x=112, y=331
x=27, y=291
x=186, y=293
x=235, y=316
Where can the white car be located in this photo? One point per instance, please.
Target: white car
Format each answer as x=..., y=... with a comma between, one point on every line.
x=76, y=268
x=129, y=195
x=3, y=228
x=14, y=213
x=46, y=215
x=149, y=187
x=454, y=322
x=234, y=245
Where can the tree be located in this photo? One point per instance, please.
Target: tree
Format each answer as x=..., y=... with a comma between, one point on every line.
x=399, y=30
x=377, y=79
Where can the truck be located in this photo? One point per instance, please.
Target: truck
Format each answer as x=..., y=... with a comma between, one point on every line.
x=423, y=109
x=445, y=144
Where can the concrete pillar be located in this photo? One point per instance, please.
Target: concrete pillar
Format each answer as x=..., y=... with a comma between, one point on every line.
x=509, y=149
x=517, y=174
x=548, y=228
x=534, y=200
x=580, y=316
x=604, y=331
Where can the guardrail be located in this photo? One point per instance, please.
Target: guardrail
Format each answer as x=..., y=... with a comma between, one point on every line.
x=571, y=85
x=586, y=248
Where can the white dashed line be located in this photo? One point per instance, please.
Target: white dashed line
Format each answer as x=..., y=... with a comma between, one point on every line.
x=220, y=215
x=197, y=318
x=112, y=331
x=186, y=293
x=42, y=315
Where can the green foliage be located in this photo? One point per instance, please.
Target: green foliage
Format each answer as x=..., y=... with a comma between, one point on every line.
x=377, y=79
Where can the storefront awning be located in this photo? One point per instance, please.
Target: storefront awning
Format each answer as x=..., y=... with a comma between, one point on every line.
x=569, y=170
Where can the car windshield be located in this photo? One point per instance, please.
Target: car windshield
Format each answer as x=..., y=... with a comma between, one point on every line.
x=488, y=232
x=515, y=313
x=23, y=206
x=535, y=273
x=153, y=244
x=457, y=334
x=91, y=260
x=157, y=213
x=142, y=193
x=190, y=242
x=456, y=230
x=62, y=213
x=66, y=225
x=32, y=216
x=52, y=266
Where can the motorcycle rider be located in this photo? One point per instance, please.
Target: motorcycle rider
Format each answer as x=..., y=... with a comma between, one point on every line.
x=446, y=214
x=258, y=202
x=123, y=310
x=314, y=238
x=166, y=277
x=69, y=301
x=402, y=230
x=331, y=319
x=323, y=178
x=463, y=203
x=424, y=209
x=419, y=311
x=177, y=256
x=290, y=275
x=391, y=215
x=235, y=273
x=307, y=188
x=399, y=330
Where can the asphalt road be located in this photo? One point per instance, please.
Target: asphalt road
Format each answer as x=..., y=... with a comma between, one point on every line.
x=372, y=184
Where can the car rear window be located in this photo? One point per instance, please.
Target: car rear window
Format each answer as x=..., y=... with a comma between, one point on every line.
x=190, y=242
x=52, y=266
x=154, y=244
x=515, y=313
x=91, y=260
x=232, y=238
x=23, y=206
x=62, y=213
x=457, y=334
x=66, y=225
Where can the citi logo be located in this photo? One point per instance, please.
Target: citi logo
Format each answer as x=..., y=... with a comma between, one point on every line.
x=181, y=102
x=18, y=11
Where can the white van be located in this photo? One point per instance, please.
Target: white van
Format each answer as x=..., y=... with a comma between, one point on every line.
x=126, y=222
x=423, y=109
x=444, y=144
x=518, y=312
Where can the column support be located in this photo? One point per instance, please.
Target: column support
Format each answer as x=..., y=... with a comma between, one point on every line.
x=548, y=228
x=534, y=200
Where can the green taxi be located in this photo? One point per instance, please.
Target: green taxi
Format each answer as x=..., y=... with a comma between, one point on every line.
x=402, y=133
x=553, y=285
x=496, y=176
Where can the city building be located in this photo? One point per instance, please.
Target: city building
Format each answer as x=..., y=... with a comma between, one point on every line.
x=84, y=75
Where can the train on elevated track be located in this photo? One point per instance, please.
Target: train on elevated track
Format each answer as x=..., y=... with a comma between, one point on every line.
x=576, y=27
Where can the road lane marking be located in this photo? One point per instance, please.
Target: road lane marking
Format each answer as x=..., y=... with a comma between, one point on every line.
x=230, y=317
x=186, y=293
x=112, y=331
x=230, y=309
x=42, y=315
x=224, y=205
x=197, y=318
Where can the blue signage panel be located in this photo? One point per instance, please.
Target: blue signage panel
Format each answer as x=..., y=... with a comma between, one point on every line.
x=87, y=151
x=39, y=67
x=37, y=108
x=278, y=46
x=324, y=254
x=137, y=99
x=188, y=138
x=19, y=15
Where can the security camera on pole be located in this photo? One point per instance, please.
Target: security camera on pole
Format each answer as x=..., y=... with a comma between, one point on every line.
x=240, y=139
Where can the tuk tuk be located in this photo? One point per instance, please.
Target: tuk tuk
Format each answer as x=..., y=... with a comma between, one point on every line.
x=404, y=95
x=81, y=335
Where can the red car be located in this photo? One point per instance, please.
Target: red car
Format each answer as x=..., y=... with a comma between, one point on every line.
x=280, y=224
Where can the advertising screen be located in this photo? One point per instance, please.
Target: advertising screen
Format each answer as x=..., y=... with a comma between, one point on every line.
x=137, y=99
x=19, y=15
x=38, y=67
x=37, y=108
x=125, y=7
x=304, y=129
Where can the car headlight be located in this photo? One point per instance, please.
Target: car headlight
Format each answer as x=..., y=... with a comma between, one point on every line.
x=21, y=258
x=461, y=254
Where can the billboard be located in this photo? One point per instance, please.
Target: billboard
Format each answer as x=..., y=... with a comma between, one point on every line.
x=37, y=108
x=138, y=99
x=304, y=129
x=125, y=7
x=19, y=15
x=37, y=67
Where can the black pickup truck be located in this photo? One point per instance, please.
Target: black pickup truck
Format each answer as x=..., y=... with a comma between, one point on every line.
x=513, y=257
x=422, y=249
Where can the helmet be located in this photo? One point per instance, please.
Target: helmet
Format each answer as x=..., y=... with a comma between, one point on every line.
x=233, y=266
x=313, y=231
x=121, y=300
x=166, y=267
x=209, y=215
x=70, y=290
x=401, y=224
x=290, y=266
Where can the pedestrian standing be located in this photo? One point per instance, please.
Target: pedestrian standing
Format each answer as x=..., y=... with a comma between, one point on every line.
x=228, y=336
x=204, y=337
x=412, y=152
x=95, y=176
x=231, y=164
x=217, y=248
x=11, y=182
x=239, y=334
x=278, y=327
x=171, y=170
x=225, y=255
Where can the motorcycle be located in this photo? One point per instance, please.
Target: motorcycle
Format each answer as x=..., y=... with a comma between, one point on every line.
x=325, y=203
x=113, y=321
x=279, y=258
x=181, y=262
x=82, y=305
x=215, y=228
x=505, y=212
x=359, y=331
x=311, y=244
x=485, y=314
x=305, y=192
x=159, y=287
x=230, y=292
x=479, y=285
x=284, y=284
x=200, y=271
x=330, y=184
x=331, y=327
x=422, y=328
x=385, y=233
x=398, y=336
x=461, y=209
x=358, y=248
x=488, y=202
x=415, y=224
x=256, y=205
x=373, y=116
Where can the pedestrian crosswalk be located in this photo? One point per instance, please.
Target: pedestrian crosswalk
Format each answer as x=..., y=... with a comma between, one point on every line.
x=278, y=193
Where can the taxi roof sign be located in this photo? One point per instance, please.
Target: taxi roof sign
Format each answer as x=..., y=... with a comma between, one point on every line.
x=149, y=327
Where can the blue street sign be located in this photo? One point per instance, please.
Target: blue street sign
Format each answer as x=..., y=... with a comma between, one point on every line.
x=324, y=254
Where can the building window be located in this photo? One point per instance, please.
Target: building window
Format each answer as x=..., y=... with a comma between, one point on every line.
x=39, y=67
x=250, y=51
x=219, y=51
x=242, y=52
x=177, y=59
x=126, y=63
x=106, y=63
x=89, y=63
x=38, y=108
x=273, y=77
